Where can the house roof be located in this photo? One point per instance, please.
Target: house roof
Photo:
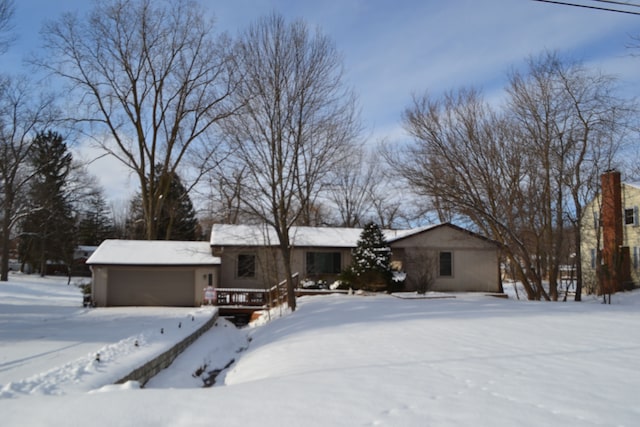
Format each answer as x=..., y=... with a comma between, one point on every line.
x=333, y=237
x=632, y=184
x=152, y=252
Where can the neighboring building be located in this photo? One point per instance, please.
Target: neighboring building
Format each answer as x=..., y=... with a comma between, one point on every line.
x=452, y=258
x=610, y=235
x=83, y=252
x=152, y=273
x=80, y=256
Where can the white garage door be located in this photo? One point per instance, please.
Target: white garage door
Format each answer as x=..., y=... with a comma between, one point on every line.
x=150, y=287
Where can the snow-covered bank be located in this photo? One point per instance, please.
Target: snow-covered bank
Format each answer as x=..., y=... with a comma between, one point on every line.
x=378, y=360
x=50, y=344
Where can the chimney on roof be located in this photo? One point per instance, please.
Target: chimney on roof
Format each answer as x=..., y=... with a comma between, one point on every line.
x=615, y=269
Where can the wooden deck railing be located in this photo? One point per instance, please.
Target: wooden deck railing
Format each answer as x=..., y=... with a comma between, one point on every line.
x=258, y=298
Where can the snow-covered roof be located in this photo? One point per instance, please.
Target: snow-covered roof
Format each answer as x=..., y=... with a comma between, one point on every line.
x=153, y=252
x=333, y=237
x=632, y=184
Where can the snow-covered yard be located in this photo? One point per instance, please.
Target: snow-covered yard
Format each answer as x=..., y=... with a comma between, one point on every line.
x=338, y=360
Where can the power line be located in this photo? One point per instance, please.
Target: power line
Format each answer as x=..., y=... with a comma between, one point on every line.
x=607, y=9
x=621, y=3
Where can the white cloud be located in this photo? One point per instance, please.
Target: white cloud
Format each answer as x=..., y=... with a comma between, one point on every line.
x=394, y=48
x=118, y=182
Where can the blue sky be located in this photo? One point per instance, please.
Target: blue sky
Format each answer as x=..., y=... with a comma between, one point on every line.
x=393, y=48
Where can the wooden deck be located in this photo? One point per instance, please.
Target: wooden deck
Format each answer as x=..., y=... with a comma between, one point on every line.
x=241, y=303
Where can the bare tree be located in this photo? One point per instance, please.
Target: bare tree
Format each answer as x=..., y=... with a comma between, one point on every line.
x=425, y=265
x=298, y=119
x=7, y=10
x=463, y=158
x=152, y=79
x=119, y=212
x=352, y=184
x=523, y=174
x=22, y=115
x=575, y=126
x=222, y=201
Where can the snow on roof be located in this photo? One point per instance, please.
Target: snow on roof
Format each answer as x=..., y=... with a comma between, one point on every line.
x=153, y=252
x=86, y=248
x=334, y=237
x=632, y=184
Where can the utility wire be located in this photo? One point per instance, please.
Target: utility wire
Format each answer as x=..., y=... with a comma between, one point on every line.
x=621, y=3
x=564, y=3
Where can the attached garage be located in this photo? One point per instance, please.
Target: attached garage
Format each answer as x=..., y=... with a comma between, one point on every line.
x=152, y=273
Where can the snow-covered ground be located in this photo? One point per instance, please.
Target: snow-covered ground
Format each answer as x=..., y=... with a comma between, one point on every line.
x=338, y=360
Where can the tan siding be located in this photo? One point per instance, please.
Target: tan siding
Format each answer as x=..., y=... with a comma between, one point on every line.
x=631, y=236
x=99, y=285
x=475, y=260
x=202, y=281
x=269, y=269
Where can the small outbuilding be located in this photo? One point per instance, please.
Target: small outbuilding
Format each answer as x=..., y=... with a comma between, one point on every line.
x=152, y=273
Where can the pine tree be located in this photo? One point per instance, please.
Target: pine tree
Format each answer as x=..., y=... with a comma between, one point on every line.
x=177, y=219
x=95, y=225
x=48, y=231
x=371, y=259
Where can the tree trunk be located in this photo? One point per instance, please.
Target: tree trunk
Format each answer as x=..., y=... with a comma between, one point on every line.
x=6, y=243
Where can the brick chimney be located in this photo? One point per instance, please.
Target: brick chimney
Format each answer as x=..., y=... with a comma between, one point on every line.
x=615, y=269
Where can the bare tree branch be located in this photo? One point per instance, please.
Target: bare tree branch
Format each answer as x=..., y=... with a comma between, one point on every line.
x=153, y=81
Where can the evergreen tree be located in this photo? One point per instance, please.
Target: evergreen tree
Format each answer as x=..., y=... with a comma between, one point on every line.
x=371, y=259
x=48, y=230
x=177, y=219
x=95, y=224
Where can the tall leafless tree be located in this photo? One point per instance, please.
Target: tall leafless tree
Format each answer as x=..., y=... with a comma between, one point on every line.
x=522, y=173
x=24, y=110
x=7, y=10
x=353, y=183
x=575, y=125
x=462, y=159
x=298, y=119
x=152, y=80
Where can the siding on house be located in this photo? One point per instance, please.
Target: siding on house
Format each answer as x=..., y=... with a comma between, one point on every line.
x=591, y=235
x=152, y=273
x=474, y=258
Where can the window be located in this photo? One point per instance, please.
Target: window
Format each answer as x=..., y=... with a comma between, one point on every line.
x=636, y=255
x=246, y=267
x=631, y=216
x=324, y=263
x=593, y=258
x=446, y=264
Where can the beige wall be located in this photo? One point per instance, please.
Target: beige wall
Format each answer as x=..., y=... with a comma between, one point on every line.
x=593, y=242
x=99, y=285
x=268, y=265
x=201, y=281
x=474, y=260
x=171, y=282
